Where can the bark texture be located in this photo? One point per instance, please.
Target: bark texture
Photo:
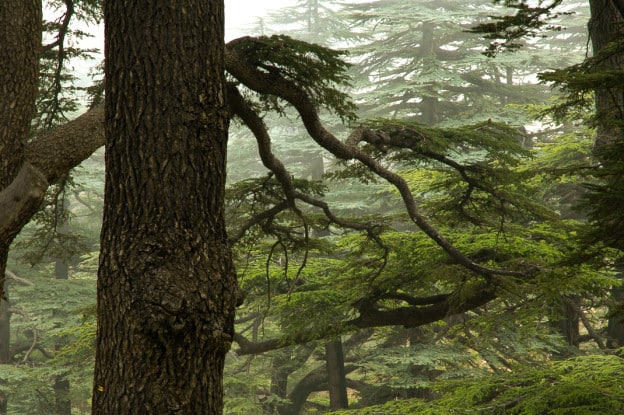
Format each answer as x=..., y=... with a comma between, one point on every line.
x=166, y=284
x=20, y=48
x=607, y=25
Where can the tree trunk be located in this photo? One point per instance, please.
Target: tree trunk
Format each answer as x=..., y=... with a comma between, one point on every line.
x=61, y=382
x=615, y=327
x=336, y=380
x=429, y=105
x=20, y=48
x=607, y=25
x=568, y=323
x=5, y=339
x=62, y=403
x=166, y=283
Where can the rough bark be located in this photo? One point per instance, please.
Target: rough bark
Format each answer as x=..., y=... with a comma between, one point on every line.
x=62, y=148
x=47, y=158
x=607, y=25
x=166, y=284
x=615, y=327
x=20, y=48
x=18, y=199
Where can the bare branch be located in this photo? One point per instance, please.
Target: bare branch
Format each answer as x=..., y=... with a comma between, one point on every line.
x=10, y=275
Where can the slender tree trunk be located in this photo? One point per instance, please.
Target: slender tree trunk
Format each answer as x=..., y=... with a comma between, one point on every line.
x=336, y=378
x=166, y=284
x=568, y=324
x=615, y=327
x=5, y=340
x=429, y=105
x=61, y=382
x=62, y=402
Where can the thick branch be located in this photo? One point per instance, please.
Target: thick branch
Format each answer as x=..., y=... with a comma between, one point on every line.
x=414, y=316
x=273, y=84
x=436, y=308
x=23, y=195
x=47, y=159
x=64, y=147
x=314, y=381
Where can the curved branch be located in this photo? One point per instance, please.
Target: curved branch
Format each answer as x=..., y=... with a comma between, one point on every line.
x=590, y=328
x=62, y=148
x=252, y=120
x=23, y=195
x=433, y=308
x=414, y=316
x=256, y=220
x=48, y=158
x=274, y=84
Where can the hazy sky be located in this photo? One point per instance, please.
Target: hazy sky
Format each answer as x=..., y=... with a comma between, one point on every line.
x=241, y=16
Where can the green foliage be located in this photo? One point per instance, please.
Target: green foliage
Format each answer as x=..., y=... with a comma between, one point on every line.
x=52, y=336
x=582, y=385
x=602, y=196
x=319, y=71
x=59, y=93
x=578, y=82
x=509, y=31
x=418, y=62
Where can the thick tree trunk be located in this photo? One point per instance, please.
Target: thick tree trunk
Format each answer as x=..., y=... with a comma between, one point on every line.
x=166, y=284
x=20, y=48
